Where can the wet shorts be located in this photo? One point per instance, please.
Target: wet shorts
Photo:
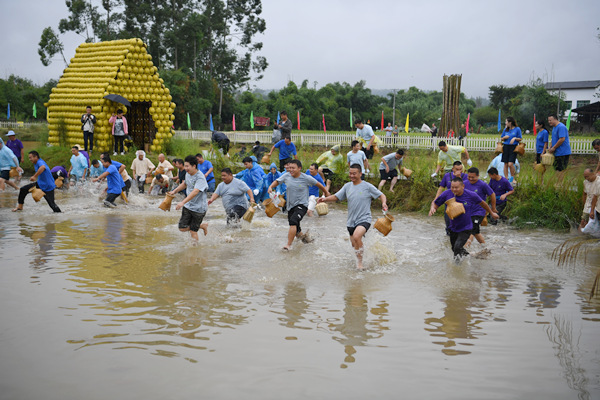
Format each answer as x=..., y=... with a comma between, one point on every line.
x=561, y=162
x=296, y=214
x=328, y=174
x=476, y=219
x=386, y=176
x=190, y=219
x=352, y=229
x=5, y=174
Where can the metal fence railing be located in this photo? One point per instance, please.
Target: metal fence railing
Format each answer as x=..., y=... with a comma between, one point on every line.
x=578, y=146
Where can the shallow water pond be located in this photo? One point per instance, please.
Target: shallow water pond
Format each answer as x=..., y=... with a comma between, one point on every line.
x=116, y=303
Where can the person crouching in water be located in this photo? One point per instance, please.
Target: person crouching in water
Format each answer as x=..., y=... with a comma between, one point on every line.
x=233, y=194
x=114, y=181
x=460, y=227
x=359, y=194
x=297, y=185
x=195, y=204
x=42, y=179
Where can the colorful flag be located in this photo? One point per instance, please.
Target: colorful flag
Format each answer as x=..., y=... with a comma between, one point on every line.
x=534, y=126
x=189, y=122
x=467, y=125
x=277, y=117
x=351, y=121
x=8, y=112
x=34, y=111
x=298, y=120
x=212, y=128
x=324, y=128
x=499, y=120
x=233, y=122
x=569, y=120
x=252, y=119
x=406, y=126
x=381, y=119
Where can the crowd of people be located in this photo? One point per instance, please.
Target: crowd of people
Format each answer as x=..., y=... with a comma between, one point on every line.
x=303, y=190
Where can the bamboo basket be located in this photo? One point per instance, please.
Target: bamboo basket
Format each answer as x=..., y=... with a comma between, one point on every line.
x=249, y=214
x=37, y=194
x=270, y=208
x=484, y=221
x=124, y=197
x=322, y=209
x=160, y=170
x=266, y=159
x=148, y=178
x=384, y=224
x=547, y=159
x=59, y=182
x=499, y=148
x=520, y=149
x=454, y=208
x=539, y=168
x=406, y=172
x=13, y=173
x=166, y=204
x=281, y=203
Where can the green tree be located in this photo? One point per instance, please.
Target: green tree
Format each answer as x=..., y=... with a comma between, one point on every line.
x=49, y=46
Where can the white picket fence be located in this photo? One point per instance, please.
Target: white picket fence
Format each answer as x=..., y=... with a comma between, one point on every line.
x=20, y=124
x=578, y=146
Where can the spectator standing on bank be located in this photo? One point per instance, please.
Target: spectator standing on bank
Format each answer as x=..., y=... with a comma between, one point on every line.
x=119, y=130
x=560, y=143
x=88, y=120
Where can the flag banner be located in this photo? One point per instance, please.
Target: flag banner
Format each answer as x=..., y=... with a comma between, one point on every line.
x=406, y=126
x=34, y=111
x=189, y=122
x=381, y=119
x=351, y=120
x=569, y=121
x=211, y=127
x=324, y=128
x=252, y=119
x=8, y=112
x=499, y=120
x=298, y=120
x=467, y=125
x=278, y=118
x=534, y=126
x=233, y=122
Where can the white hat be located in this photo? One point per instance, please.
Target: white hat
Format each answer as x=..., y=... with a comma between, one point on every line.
x=11, y=133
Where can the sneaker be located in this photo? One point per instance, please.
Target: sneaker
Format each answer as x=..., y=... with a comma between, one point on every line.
x=109, y=204
x=122, y=153
x=115, y=153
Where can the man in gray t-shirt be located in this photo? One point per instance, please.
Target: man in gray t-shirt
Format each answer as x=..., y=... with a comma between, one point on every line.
x=297, y=185
x=233, y=194
x=387, y=168
x=359, y=195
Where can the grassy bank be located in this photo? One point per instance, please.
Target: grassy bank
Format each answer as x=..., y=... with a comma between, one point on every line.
x=549, y=203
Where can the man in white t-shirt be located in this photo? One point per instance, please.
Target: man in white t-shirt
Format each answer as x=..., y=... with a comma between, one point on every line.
x=591, y=191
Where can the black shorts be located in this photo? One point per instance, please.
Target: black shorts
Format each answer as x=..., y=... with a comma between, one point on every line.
x=235, y=214
x=352, y=229
x=296, y=214
x=508, y=153
x=538, y=158
x=561, y=162
x=190, y=219
x=5, y=174
x=386, y=176
x=369, y=153
x=328, y=174
x=476, y=219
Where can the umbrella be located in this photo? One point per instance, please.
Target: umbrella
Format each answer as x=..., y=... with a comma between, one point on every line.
x=118, y=99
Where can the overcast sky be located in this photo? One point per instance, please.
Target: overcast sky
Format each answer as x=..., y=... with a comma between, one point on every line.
x=387, y=43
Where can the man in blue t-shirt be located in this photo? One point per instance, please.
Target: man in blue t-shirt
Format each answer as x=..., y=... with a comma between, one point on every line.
x=42, y=179
x=207, y=169
x=502, y=189
x=286, y=150
x=560, y=143
x=460, y=227
x=114, y=181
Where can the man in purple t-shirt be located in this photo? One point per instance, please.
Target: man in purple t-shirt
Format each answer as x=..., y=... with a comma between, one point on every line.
x=460, y=227
x=502, y=189
x=15, y=145
x=457, y=171
x=474, y=184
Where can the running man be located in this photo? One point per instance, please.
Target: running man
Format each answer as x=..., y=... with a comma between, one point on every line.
x=448, y=155
x=359, y=194
x=474, y=184
x=388, y=168
x=114, y=181
x=233, y=194
x=8, y=160
x=42, y=179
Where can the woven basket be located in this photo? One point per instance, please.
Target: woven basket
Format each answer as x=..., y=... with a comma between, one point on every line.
x=266, y=159
x=160, y=170
x=281, y=203
x=484, y=221
x=406, y=172
x=499, y=148
x=37, y=194
x=59, y=182
x=384, y=224
x=249, y=214
x=547, y=159
x=148, y=178
x=454, y=208
x=322, y=208
x=124, y=197
x=539, y=168
x=270, y=208
x=166, y=203
x=520, y=149
x=13, y=173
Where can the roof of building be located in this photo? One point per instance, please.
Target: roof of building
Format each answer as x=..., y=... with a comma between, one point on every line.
x=572, y=85
x=593, y=108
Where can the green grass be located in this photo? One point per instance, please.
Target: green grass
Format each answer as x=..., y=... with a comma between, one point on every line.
x=37, y=132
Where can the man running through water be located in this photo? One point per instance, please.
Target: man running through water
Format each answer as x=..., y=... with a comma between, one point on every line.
x=42, y=179
x=359, y=194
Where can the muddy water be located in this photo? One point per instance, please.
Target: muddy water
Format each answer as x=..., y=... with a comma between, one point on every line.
x=98, y=303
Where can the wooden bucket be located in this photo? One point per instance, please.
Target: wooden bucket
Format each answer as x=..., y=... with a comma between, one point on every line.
x=249, y=214
x=13, y=173
x=539, y=168
x=59, y=182
x=454, y=208
x=281, y=203
x=270, y=208
x=166, y=203
x=266, y=159
x=499, y=148
x=484, y=221
x=547, y=159
x=322, y=209
x=37, y=194
x=520, y=149
x=384, y=224
x=406, y=172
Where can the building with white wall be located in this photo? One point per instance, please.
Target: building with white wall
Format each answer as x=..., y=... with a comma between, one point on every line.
x=577, y=93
